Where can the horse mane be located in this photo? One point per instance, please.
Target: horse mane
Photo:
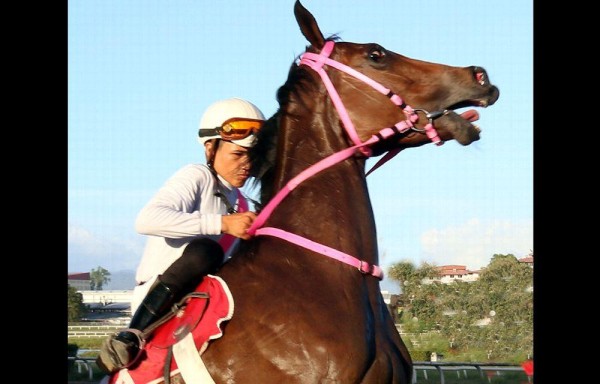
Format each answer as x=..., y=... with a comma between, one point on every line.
x=263, y=154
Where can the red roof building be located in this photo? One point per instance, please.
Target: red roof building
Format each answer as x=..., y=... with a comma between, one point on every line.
x=449, y=273
x=79, y=281
x=527, y=260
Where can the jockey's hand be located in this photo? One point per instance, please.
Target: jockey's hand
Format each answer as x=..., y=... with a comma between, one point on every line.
x=237, y=224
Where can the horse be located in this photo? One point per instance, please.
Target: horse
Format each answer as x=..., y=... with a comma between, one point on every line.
x=308, y=304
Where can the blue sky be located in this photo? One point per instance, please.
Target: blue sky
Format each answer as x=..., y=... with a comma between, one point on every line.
x=142, y=72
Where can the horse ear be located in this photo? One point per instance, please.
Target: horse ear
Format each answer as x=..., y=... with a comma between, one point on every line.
x=308, y=26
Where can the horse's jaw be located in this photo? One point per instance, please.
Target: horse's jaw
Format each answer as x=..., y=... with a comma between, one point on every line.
x=460, y=128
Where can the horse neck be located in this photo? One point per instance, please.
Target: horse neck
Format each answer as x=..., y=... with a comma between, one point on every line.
x=332, y=207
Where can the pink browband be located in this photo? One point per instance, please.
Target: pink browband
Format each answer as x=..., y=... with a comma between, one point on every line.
x=316, y=62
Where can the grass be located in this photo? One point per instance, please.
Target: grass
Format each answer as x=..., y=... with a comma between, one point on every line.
x=87, y=342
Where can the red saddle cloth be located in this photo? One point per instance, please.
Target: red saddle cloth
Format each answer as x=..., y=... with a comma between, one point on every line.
x=201, y=316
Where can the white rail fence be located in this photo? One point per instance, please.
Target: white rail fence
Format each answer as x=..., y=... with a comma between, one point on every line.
x=461, y=369
x=88, y=331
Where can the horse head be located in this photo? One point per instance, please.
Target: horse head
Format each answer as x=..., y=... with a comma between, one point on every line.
x=429, y=88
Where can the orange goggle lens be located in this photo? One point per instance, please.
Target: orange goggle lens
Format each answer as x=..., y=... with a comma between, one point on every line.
x=237, y=129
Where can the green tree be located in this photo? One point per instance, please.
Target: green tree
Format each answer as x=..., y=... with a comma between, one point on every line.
x=502, y=297
x=401, y=272
x=421, y=300
x=99, y=277
x=508, y=284
x=75, y=305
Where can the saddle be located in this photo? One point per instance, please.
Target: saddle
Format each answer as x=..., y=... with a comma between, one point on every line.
x=179, y=338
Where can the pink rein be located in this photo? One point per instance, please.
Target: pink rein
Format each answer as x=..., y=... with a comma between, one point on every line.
x=316, y=62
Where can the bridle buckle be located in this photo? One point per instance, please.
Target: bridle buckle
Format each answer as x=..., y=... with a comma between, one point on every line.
x=368, y=271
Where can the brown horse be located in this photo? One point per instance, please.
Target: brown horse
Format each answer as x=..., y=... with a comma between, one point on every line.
x=302, y=317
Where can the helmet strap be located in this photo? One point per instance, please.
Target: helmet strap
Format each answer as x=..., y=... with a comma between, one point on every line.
x=210, y=160
x=217, y=192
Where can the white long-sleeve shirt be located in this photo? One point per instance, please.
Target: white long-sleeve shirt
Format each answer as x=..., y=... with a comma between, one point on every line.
x=184, y=208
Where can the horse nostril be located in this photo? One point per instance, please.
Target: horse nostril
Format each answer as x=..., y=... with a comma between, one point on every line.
x=480, y=75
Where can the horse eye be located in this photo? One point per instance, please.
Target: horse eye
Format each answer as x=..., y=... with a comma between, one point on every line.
x=377, y=55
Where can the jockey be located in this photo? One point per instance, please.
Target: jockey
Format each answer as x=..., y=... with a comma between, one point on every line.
x=191, y=223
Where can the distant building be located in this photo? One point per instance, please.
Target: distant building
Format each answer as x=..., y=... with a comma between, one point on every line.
x=79, y=281
x=527, y=259
x=450, y=273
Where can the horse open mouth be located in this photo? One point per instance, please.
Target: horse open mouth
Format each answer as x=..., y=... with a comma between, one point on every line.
x=470, y=115
x=461, y=124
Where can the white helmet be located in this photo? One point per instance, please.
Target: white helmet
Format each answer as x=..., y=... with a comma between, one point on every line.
x=217, y=113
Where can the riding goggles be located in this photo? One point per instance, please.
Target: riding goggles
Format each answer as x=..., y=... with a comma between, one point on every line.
x=233, y=129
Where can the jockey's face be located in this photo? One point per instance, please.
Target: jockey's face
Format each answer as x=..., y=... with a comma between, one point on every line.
x=230, y=161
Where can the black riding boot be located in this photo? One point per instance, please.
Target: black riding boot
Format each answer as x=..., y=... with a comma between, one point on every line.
x=123, y=349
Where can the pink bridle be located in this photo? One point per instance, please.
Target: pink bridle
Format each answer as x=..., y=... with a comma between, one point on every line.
x=316, y=62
